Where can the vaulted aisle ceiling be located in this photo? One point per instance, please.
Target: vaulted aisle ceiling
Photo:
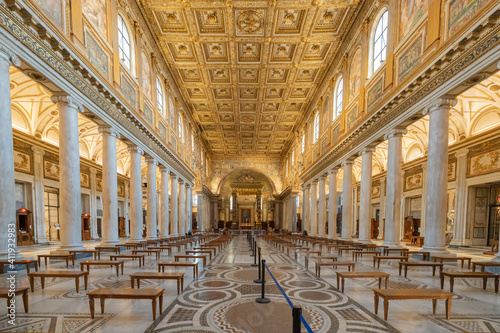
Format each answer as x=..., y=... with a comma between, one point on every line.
x=249, y=68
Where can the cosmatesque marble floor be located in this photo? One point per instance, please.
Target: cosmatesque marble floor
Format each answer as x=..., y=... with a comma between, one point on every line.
x=223, y=298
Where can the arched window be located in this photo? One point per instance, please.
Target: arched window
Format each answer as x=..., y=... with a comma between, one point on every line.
x=195, y=200
x=380, y=42
x=125, y=50
x=339, y=92
x=159, y=97
x=303, y=143
x=293, y=157
x=180, y=127
x=231, y=202
x=192, y=142
x=316, y=127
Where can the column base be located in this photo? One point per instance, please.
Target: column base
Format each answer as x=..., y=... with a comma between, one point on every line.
x=43, y=241
x=151, y=237
x=435, y=250
x=365, y=241
x=332, y=237
x=322, y=235
x=134, y=240
x=109, y=243
x=346, y=238
x=394, y=244
x=64, y=249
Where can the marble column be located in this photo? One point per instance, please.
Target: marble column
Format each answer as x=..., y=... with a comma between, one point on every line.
x=437, y=180
x=381, y=224
x=7, y=179
x=460, y=199
x=151, y=198
x=126, y=209
x=158, y=211
x=423, y=205
x=293, y=211
x=109, y=187
x=347, y=201
x=165, y=214
x=136, y=215
x=93, y=203
x=332, y=204
x=182, y=208
x=39, y=196
x=189, y=208
x=70, y=205
x=306, y=189
x=199, y=209
x=286, y=224
x=175, y=205
x=228, y=212
x=314, y=208
x=322, y=206
x=365, y=200
x=264, y=211
x=276, y=216
x=394, y=187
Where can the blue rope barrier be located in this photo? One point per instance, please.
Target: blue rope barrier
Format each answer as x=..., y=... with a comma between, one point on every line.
x=304, y=322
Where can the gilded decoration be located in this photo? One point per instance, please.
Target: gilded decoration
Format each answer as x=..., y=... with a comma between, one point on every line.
x=461, y=11
x=355, y=74
x=96, y=11
x=84, y=180
x=484, y=163
x=410, y=13
x=54, y=9
x=413, y=181
x=128, y=91
x=23, y=162
x=50, y=169
x=148, y=113
x=249, y=21
x=376, y=191
x=409, y=60
x=336, y=133
x=352, y=117
x=374, y=94
x=163, y=131
x=452, y=171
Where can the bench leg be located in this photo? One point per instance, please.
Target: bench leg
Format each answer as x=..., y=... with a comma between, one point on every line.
x=102, y=304
x=32, y=283
x=77, y=283
x=406, y=270
x=86, y=281
x=154, y=309
x=42, y=280
x=441, y=277
x=132, y=283
x=434, y=305
x=376, y=303
x=433, y=270
x=386, y=308
x=343, y=282
x=386, y=282
x=448, y=308
x=91, y=303
x=117, y=271
x=400, y=267
x=338, y=281
x=25, y=300
x=138, y=283
x=182, y=283
x=379, y=283
x=161, y=303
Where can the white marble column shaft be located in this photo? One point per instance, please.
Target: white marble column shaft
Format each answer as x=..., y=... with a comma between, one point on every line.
x=460, y=199
x=175, y=205
x=332, y=204
x=136, y=216
x=314, y=208
x=347, y=201
x=394, y=188
x=109, y=187
x=365, y=201
x=189, y=208
x=151, y=224
x=306, y=189
x=182, y=208
x=39, y=195
x=381, y=223
x=93, y=203
x=7, y=178
x=126, y=209
x=70, y=204
x=165, y=213
x=437, y=180
x=293, y=211
x=322, y=206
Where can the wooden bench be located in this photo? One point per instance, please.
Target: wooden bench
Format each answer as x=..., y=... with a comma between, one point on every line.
x=141, y=257
x=356, y=254
x=161, y=248
x=67, y=257
x=214, y=249
x=103, y=293
x=320, y=263
x=59, y=274
x=26, y=262
x=307, y=253
x=149, y=252
x=400, y=250
x=200, y=252
x=162, y=265
x=132, y=246
x=346, y=249
x=426, y=255
x=484, y=264
x=320, y=257
x=441, y=258
x=7, y=293
x=377, y=259
x=405, y=264
x=116, y=263
x=188, y=256
x=161, y=276
x=477, y=275
x=116, y=249
x=399, y=294
x=362, y=275
x=96, y=253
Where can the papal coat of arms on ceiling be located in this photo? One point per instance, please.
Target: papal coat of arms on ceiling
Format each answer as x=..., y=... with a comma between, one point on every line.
x=250, y=21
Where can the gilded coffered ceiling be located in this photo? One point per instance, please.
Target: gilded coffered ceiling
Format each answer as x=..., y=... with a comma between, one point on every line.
x=248, y=68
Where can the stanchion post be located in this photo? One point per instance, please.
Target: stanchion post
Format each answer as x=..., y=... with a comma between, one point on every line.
x=296, y=324
x=261, y=269
x=263, y=298
x=255, y=260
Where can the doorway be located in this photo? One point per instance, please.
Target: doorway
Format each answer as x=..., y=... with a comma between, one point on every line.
x=494, y=224
x=52, y=213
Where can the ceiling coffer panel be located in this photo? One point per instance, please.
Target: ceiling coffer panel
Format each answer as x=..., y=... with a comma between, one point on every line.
x=248, y=70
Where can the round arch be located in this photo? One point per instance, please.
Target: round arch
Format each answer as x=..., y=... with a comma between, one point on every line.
x=241, y=170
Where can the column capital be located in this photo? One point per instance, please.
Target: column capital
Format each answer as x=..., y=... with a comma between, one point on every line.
x=181, y=181
x=135, y=149
x=348, y=162
x=314, y=182
x=461, y=152
x=323, y=176
x=333, y=171
x=151, y=160
x=188, y=185
x=307, y=186
x=173, y=175
x=397, y=131
x=368, y=150
x=67, y=99
x=38, y=150
x=108, y=130
x=164, y=169
x=93, y=171
x=9, y=56
x=443, y=103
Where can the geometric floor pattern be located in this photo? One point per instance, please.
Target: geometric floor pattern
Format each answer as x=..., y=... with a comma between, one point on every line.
x=223, y=300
